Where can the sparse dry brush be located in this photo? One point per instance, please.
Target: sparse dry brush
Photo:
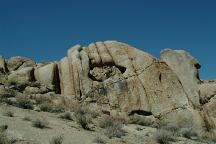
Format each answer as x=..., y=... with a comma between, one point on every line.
x=46, y=107
x=140, y=121
x=40, y=123
x=163, y=136
x=4, y=139
x=3, y=136
x=9, y=114
x=112, y=126
x=24, y=102
x=27, y=118
x=188, y=132
x=57, y=140
x=84, y=116
x=99, y=140
x=66, y=115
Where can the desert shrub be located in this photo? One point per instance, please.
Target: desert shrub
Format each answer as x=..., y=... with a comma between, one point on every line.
x=172, y=127
x=107, y=122
x=4, y=138
x=84, y=120
x=57, y=140
x=66, y=115
x=46, y=104
x=84, y=116
x=7, y=94
x=188, y=132
x=112, y=126
x=46, y=107
x=27, y=118
x=9, y=114
x=85, y=110
x=40, y=123
x=163, y=136
x=99, y=140
x=24, y=103
x=94, y=114
x=114, y=131
x=140, y=121
x=208, y=138
x=35, y=84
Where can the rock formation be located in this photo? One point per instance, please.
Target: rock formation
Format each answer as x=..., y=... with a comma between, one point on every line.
x=119, y=78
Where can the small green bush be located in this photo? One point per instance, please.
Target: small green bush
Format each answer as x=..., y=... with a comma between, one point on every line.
x=164, y=137
x=24, y=103
x=57, y=140
x=107, y=121
x=84, y=120
x=66, y=115
x=188, y=132
x=84, y=116
x=114, y=131
x=172, y=127
x=99, y=140
x=112, y=126
x=208, y=137
x=27, y=118
x=140, y=121
x=85, y=110
x=9, y=114
x=40, y=123
x=4, y=139
x=46, y=107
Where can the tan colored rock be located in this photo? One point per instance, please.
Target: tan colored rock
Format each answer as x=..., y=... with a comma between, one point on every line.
x=163, y=89
x=17, y=62
x=23, y=76
x=207, y=90
x=45, y=74
x=186, y=67
x=210, y=111
x=32, y=90
x=66, y=78
x=104, y=53
x=93, y=54
x=48, y=75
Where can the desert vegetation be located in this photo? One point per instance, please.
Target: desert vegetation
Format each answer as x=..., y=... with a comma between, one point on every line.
x=57, y=140
x=99, y=140
x=112, y=126
x=40, y=123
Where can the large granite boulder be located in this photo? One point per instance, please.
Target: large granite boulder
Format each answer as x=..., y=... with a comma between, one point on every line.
x=22, y=76
x=48, y=74
x=119, y=77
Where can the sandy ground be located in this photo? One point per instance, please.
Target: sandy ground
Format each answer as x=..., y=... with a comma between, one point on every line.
x=21, y=129
x=72, y=133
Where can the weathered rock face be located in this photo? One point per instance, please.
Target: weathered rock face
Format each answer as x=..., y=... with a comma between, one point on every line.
x=120, y=78
x=18, y=62
x=23, y=76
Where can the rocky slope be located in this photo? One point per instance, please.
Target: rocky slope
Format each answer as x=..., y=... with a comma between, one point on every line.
x=119, y=79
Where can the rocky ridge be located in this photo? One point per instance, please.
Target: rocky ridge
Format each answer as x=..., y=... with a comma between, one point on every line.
x=122, y=80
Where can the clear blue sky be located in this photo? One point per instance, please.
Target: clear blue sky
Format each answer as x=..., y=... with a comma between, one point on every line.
x=45, y=29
